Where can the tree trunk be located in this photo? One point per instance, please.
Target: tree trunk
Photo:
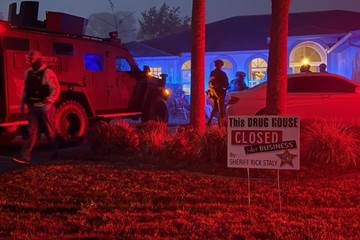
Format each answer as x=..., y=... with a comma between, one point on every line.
x=197, y=107
x=278, y=59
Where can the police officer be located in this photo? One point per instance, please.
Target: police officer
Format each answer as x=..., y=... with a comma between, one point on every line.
x=218, y=85
x=238, y=84
x=305, y=68
x=322, y=68
x=41, y=90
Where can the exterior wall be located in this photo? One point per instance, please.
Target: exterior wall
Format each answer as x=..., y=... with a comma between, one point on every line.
x=344, y=61
x=323, y=42
x=239, y=59
x=173, y=65
x=355, y=75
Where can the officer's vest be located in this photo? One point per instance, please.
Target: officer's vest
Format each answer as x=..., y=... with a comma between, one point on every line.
x=219, y=81
x=36, y=91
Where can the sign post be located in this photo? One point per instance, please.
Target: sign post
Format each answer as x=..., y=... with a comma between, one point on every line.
x=264, y=142
x=249, y=192
x=279, y=190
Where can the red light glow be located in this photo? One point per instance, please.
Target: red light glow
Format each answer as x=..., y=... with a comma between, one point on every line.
x=2, y=28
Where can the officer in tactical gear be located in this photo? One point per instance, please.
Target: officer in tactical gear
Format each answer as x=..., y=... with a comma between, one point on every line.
x=41, y=90
x=322, y=68
x=218, y=85
x=305, y=68
x=239, y=84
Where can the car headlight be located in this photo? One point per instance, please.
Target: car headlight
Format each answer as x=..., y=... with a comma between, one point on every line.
x=165, y=92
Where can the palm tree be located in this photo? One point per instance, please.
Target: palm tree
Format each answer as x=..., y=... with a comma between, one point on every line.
x=278, y=64
x=197, y=108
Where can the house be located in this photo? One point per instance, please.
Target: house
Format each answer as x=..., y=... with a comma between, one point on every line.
x=330, y=37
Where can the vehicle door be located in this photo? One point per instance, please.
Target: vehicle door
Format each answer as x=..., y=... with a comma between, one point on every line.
x=3, y=109
x=49, y=54
x=124, y=81
x=94, y=76
x=14, y=52
x=66, y=62
x=306, y=97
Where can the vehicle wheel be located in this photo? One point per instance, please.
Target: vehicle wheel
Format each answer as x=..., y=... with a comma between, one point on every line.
x=261, y=111
x=71, y=122
x=158, y=112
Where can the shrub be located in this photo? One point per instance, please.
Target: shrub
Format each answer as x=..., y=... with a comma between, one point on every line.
x=115, y=138
x=152, y=136
x=125, y=138
x=99, y=137
x=329, y=145
x=213, y=145
x=181, y=147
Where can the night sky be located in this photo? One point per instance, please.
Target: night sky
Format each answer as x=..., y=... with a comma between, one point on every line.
x=216, y=9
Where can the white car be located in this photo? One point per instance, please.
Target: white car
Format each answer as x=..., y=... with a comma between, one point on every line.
x=309, y=95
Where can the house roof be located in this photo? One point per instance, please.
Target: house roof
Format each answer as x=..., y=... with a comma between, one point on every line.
x=138, y=49
x=251, y=32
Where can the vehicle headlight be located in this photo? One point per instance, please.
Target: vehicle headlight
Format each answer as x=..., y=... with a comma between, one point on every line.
x=165, y=92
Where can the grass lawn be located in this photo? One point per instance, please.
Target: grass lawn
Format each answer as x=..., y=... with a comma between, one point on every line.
x=87, y=200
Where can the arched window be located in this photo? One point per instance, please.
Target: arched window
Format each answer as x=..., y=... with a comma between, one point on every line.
x=227, y=64
x=257, y=71
x=307, y=53
x=228, y=68
x=186, y=65
x=186, y=77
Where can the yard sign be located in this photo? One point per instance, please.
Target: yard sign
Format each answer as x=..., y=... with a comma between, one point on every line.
x=264, y=142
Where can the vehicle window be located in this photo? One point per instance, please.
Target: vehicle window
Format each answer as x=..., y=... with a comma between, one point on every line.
x=94, y=62
x=156, y=71
x=122, y=65
x=63, y=49
x=13, y=43
x=319, y=84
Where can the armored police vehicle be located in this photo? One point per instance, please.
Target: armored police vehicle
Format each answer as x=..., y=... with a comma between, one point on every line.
x=99, y=78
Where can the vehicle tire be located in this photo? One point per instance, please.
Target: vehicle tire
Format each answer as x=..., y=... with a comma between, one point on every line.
x=158, y=112
x=261, y=112
x=71, y=122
